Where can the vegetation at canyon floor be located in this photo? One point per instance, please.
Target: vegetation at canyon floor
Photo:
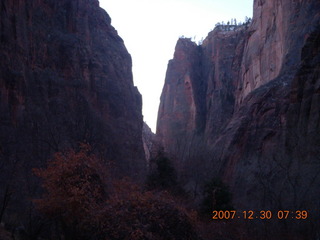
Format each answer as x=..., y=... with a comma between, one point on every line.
x=82, y=201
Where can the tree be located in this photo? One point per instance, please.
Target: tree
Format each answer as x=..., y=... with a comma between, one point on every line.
x=200, y=41
x=133, y=214
x=164, y=176
x=216, y=196
x=84, y=204
x=75, y=189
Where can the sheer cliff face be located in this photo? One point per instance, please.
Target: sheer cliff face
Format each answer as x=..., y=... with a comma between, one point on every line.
x=266, y=47
x=256, y=106
x=178, y=108
x=278, y=29
x=65, y=78
x=198, y=94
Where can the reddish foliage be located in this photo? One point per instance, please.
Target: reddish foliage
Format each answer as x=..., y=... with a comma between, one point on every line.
x=75, y=186
x=136, y=215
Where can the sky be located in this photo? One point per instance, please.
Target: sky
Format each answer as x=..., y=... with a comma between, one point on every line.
x=151, y=28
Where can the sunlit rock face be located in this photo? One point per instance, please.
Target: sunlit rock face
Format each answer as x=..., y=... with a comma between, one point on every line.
x=65, y=78
x=251, y=115
x=266, y=46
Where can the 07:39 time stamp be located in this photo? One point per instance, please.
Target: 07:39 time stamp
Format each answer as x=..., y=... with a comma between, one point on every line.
x=263, y=214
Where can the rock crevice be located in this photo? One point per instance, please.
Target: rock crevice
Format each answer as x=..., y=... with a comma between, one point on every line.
x=257, y=116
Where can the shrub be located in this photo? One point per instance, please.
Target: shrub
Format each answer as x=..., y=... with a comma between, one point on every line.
x=216, y=196
x=76, y=195
x=164, y=176
x=74, y=184
x=133, y=214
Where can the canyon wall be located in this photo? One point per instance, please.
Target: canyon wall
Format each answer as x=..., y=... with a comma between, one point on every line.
x=244, y=106
x=178, y=110
x=65, y=79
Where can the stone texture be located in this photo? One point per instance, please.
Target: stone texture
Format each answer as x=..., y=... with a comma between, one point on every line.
x=257, y=108
x=266, y=153
x=199, y=92
x=221, y=58
x=65, y=78
x=148, y=139
x=266, y=47
x=179, y=106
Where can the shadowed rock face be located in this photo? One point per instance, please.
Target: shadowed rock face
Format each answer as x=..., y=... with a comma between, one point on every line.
x=255, y=110
x=178, y=110
x=65, y=78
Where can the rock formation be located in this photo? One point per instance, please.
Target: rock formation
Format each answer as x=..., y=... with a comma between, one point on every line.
x=65, y=78
x=244, y=105
x=148, y=139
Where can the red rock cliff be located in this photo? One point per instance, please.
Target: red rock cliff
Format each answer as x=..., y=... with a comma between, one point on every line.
x=65, y=78
x=256, y=109
x=179, y=108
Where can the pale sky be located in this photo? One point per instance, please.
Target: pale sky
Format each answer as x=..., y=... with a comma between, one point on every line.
x=151, y=28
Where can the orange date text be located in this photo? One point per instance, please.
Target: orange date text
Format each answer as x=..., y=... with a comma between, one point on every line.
x=263, y=214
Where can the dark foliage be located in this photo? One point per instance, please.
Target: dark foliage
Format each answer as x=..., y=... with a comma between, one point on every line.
x=216, y=196
x=136, y=215
x=164, y=176
x=83, y=202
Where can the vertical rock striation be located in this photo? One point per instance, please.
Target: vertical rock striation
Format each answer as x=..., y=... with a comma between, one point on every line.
x=180, y=107
x=256, y=107
x=65, y=78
